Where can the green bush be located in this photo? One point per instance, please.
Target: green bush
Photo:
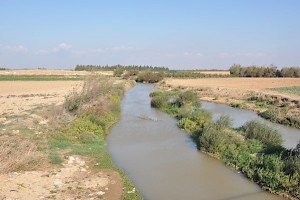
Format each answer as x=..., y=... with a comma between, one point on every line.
x=292, y=165
x=188, y=98
x=200, y=116
x=271, y=114
x=159, y=102
x=55, y=158
x=236, y=105
x=271, y=162
x=118, y=72
x=224, y=122
x=158, y=93
x=88, y=138
x=211, y=139
x=263, y=133
x=104, y=121
x=149, y=77
x=187, y=125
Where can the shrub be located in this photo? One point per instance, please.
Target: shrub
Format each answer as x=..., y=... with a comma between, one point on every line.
x=187, y=98
x=130, y=74
x=224, y=122
x=263, y=133
x=271, y=162
x=149, y=77
x=118, y=72
x=271, y=114
x=93, y=88
x=236, y=105
x=170, y=94
x=88, y=138
x=79, y=126
x=159, y=102
x=211, y=139
x=201, y=117
x=297, y=149
x=187, y=125
x=73, y=101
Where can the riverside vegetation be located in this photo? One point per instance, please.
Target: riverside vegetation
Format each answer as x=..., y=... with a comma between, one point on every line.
x=97, y=108
x=254, y=149
x=276, y=109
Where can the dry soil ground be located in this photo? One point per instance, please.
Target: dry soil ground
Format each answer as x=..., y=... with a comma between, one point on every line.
x=22, y=117
x=74, y=180
x=48, y=72
x=18, y=96
x=235, y=87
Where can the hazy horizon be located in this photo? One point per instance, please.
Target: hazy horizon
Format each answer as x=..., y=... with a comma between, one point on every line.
x=176, y=34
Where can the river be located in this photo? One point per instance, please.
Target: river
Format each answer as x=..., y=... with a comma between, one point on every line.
x=164, y=163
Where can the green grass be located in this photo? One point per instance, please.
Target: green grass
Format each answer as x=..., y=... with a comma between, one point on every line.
x=291, y=90
x=238, y=105
x=39, y=78
x=263, y=105
x=55, y=158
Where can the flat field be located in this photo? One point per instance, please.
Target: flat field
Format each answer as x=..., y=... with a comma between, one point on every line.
x=215, y=72
x=48, y=72
x=236, y=83
x=18, y=96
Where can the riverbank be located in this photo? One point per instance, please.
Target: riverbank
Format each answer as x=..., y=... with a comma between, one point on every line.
x=67, y=149
x=247, y=93
x=254, y=149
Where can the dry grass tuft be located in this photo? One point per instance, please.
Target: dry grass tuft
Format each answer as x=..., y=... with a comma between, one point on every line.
x=19, y=154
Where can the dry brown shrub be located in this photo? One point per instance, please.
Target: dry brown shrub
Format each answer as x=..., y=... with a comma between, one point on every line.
x=94, y=87
x=19, y=154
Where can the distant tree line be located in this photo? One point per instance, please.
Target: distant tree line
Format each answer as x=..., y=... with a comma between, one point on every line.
x=192, y=74
x=156, y=76
x=263, y=71
x=119, y=67
x=2, y=68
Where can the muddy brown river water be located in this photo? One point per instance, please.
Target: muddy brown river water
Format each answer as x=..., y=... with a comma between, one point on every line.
x=164, y=163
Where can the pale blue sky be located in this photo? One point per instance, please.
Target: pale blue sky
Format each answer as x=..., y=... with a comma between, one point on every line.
x=179, y=34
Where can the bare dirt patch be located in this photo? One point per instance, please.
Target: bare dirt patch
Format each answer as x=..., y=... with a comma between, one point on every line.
x=74, y=180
